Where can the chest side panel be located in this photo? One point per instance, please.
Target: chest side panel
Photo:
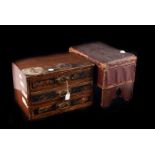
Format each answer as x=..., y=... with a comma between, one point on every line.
x=120, y=74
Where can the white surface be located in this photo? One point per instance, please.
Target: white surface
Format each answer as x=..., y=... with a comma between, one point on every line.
x=122, y=52
x=77, y=12
x=25, y=95
x=24, y=101
x=20, y=76
x=67, y=96
x=77, y=142
x=50, y=69
x=22, y=84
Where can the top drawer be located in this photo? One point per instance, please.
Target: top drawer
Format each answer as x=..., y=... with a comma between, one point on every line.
x=56, y=79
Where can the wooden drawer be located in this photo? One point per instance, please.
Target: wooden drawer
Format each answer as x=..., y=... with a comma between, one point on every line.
x=59, y=79
x=76, y=102
x=59, y=93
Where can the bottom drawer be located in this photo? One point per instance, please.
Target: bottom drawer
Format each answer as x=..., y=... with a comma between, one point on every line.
x=60, y=107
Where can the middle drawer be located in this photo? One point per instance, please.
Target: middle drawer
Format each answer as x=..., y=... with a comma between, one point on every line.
x=59, y=92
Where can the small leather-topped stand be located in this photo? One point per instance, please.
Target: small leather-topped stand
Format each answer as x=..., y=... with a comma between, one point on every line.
x=115, y=70
x=53, y=84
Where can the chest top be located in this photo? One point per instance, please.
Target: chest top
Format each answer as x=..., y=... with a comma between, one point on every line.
x=51, y=63
x=102, y=52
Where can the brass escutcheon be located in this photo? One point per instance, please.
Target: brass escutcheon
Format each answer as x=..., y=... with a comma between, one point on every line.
x=62, y=79
x=62, y=93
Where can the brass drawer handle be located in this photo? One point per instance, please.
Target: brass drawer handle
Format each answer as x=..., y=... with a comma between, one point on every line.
x=62, y=79
x=75, y=76
x=63, y=105
x=62, y=93
x=84, y=99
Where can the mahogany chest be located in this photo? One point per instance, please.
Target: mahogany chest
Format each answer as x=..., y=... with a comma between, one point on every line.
x=52, y=84
x=115, y=70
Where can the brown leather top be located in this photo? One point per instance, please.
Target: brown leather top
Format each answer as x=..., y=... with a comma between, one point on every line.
x=102, y=52
x=53, y=60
